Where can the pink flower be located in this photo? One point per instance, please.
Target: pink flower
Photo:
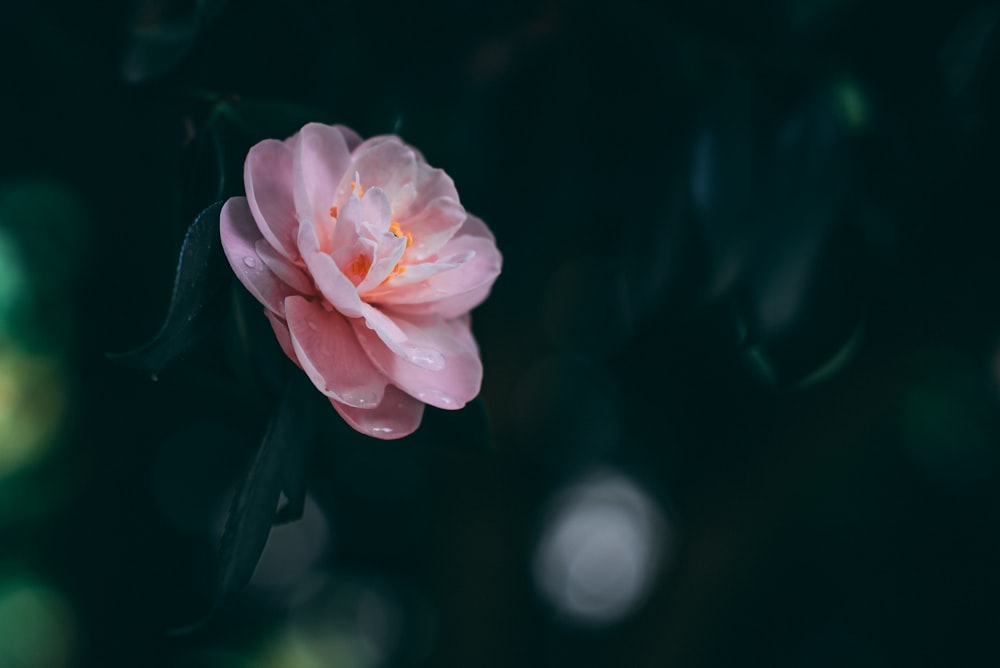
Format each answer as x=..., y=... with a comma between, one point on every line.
x=367, y=266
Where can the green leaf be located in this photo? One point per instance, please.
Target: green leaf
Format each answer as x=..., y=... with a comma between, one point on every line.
x=194, y=306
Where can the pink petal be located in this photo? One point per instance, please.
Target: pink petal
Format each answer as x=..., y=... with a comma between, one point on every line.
x=429, y=185
x=329, y=279
x=409, y=182
x=239, y=236
x=398, y=342
x=375, y=210
x=387, y=256
x=449, y=387
x=281, y=333
x=455, y=291
x=475, y=227
x=267, y=175
x=286, y=270
x=331, y=356
x=321, y=160
x=447, y=307
x=433, y=226
x=352, y=138
x=347, y=230
x=385, y=162
x=417, y=274
x=397, y=416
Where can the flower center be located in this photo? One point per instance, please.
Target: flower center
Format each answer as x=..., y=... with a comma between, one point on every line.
x=398, y=231
x=358, y=268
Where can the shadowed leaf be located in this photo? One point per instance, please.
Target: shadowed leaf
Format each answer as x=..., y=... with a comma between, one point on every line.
x=278, y=464
x=197, y=285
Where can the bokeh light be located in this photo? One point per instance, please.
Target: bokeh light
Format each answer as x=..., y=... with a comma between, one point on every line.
x=37, y=625
x=350, y=621
x=13, y=281
x=602, y=547
x=32, y=405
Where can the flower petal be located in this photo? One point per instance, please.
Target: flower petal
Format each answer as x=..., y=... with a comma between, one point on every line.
x=267, y=175
x=331, y=356
x=433, y=226
x=329, y=279
x=322, y=157
x=382, y=161
x=281, y=333
x=239, y=236
x=286, y=270
x=454, y=291
x=398, y=342
x=449, y=387
x=417, y=274
x=387, y=257
x=352, y=138
x=398, y=415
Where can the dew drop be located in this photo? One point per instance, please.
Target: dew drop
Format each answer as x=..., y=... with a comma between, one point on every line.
x=437, y=398
x=250, y=261
x=426, y=358
x=361, y=399
x=382, y=430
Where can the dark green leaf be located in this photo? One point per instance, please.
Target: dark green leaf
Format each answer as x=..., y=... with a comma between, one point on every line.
x=194, y=307
x=278, y=464
x=297, y=450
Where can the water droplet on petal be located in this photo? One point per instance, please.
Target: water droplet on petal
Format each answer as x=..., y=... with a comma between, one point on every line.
x=250, y=261
x=360, y=398
x=381, y=430
x=426, y=358
x=437, y=398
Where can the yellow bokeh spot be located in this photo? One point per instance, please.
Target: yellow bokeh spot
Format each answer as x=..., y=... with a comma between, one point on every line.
x=32, y=406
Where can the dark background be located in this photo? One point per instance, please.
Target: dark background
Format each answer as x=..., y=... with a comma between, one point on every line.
x=741, y=364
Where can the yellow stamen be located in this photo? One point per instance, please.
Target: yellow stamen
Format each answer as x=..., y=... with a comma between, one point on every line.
x=396, y=271
x=333, y=212
x=356, y=187
x=398, y=231
x=359, y=267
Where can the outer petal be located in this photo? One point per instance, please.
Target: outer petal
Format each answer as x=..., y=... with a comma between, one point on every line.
x=449, y=387
x=322, y=157
x=397, y=416
x=331, y=356
x=385, y=162
x=327, y=276
x=286, y=270
x=239, y=237
x=352, y=138
x=281, y=333
x=398, y=342
x=455, y=291
x=267, y=175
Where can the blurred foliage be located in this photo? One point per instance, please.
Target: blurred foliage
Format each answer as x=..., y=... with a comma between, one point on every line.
x=750, y=275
